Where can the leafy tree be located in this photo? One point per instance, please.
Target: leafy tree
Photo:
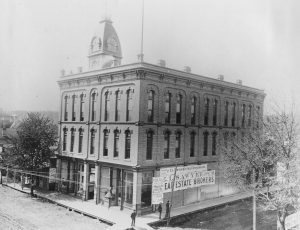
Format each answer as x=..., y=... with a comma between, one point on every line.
x=33, y=145
x=267, y=161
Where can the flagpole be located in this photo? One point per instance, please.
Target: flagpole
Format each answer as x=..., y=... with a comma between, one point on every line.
x=142, y=38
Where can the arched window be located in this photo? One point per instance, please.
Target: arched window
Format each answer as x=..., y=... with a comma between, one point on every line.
x=150, y=107
x=249, y=115
x=116, y=143
x=215, y=111
x=206, y=113
x=226, y=113
x=80, y=140
x=167, y=144
x=106, y=103
x=214, y=144
x=233, y=114
x=105, y=142
x=93, y=118
x=66, y=108
x=129, y=105
x=72, y=140
x=127, y=144
x=193, y=111
x=81, y=107
x=65, y=139
x=178, y=144
x=168, y=108
x=205, y=143
x=192, y=144
x=243, y=115
x=92, y=144
x=117, y=110
x=149, y=145
x=178, y=109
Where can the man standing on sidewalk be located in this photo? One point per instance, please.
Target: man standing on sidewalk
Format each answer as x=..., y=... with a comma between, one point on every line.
x=167, y=210
x=159, y=209
x=133, y=216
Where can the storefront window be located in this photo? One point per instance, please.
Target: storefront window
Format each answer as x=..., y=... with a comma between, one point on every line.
x=128, y=187
x=146, y=188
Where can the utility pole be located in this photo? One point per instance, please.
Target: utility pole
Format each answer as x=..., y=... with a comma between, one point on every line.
x=168, y=220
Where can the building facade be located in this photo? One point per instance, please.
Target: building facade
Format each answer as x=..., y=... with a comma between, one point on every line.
x=120, y=124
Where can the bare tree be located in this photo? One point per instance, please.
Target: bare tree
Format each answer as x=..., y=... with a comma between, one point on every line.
x=266, y=160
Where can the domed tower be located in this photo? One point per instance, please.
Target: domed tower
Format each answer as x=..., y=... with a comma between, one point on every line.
x=105, y=48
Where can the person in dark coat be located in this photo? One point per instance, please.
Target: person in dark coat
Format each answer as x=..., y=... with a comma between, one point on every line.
x=167, y=209
x=133, y=216
x=159, y=209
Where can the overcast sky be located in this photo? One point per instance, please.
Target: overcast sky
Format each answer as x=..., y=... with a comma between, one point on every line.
x=256, y=41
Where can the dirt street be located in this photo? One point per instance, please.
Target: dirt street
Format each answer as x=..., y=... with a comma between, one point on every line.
x=18, y=211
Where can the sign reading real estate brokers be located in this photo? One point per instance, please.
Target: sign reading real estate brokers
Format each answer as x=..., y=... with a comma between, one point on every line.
x=186, y=177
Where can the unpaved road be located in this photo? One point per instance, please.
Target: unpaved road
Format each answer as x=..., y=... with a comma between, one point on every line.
x=18, y=211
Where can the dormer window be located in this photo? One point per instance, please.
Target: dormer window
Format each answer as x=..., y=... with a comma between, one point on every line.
x=96, y=44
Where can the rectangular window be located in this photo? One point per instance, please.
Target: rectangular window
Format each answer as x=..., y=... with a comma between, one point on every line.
x=93, y=107
x=192, y=145
x=243, y=115
x=117, y=112
x=206, y=113
x=226, y=113
x=81, y=108
x=106, y=106
x=80, y=139
x=193, y=110
x=205, y=144
x=249, y=115
x=92, y=150
x=129, y=105
x=149, y=145
x=233, y=115
x=146, y=189
x=66, y=109
x=257, y=116
x=150, y=106
x=128, y=180
x=65, y=140
x=178, y=109
x=178, y=145
x=116, y=143
x=105, y=143
x=72, y=140
x=168, y=108
x=73, y=108
x=127, y=144
x=167, y=145
x=215, y=112
x=214, y=144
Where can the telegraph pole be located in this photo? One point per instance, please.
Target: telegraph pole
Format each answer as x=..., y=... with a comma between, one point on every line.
x=168, y=220
x=254, y=201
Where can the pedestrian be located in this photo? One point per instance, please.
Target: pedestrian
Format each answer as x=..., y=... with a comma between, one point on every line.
x=167, y=209
x=133, y=215
x=159, y=209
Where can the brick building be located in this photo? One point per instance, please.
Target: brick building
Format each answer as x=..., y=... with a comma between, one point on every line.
x=119, y=124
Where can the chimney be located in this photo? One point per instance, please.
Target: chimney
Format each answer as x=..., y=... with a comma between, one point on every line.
x=79, y=69
x=221, y=77
x=62, y=72
x=187, y=69
x=239, y=82
x=162, y=63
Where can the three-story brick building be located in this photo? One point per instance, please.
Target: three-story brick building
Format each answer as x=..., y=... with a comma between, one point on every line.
x=119, y=124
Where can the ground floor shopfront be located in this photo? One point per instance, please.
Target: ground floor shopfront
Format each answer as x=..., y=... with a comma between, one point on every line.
x=126, y=187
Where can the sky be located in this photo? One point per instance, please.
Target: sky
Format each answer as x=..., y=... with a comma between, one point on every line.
x=256, y=41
